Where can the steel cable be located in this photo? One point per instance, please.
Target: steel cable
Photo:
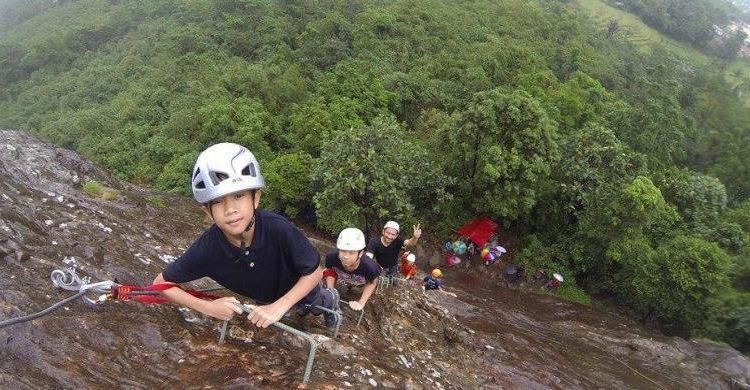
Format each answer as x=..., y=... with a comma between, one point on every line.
x=46, y=311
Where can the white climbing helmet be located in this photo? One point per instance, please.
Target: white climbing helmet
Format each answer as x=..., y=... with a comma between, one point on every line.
x=351, y=239
x=223, y=169
x=392, y=225
x=411, y=258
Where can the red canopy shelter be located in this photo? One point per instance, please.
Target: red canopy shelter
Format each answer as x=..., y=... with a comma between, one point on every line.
x=478, y=230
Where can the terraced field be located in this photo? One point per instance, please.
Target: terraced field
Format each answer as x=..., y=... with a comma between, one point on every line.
x=650, y=39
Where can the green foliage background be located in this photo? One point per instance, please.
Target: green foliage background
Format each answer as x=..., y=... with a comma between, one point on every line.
x=627, y=172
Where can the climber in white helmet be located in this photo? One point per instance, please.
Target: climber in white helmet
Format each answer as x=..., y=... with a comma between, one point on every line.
x=385, y=249
x=350, y=265
x=252, y=252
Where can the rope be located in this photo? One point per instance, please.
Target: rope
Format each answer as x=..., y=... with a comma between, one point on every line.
x=46, y=311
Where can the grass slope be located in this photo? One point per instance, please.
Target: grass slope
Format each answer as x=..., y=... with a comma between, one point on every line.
x=649, y=39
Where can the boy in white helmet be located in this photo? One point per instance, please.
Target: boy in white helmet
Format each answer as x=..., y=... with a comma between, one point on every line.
x=350, y=264
x=252, y=252
x=385, y=249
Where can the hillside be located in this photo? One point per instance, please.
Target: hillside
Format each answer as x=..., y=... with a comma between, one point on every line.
x=489, y=336
x=736, y=72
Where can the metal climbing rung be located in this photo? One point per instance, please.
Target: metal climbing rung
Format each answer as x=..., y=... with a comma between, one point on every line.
x=337, y=316
x=383, y=282
x=246, y=309
x=361, y=312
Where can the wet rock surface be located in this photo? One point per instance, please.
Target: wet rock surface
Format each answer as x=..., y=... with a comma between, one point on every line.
x=488, y=336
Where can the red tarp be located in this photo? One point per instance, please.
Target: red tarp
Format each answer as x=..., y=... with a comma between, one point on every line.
x=478, y=230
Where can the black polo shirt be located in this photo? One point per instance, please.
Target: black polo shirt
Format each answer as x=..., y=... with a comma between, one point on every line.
x=386, y=256
x=278, y=256
x=366, y=272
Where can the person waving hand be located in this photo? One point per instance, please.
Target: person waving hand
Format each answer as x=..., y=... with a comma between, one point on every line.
x=385, y=249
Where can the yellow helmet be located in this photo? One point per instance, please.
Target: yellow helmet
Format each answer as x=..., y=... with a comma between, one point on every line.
x=436, y=273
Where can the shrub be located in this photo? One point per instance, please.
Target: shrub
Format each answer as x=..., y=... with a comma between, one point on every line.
x=95, y=189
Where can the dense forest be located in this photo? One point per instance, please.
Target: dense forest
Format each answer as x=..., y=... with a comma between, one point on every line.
x=629, y=172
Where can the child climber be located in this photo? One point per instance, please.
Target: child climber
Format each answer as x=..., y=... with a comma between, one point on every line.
x=407, y=267
x=350, y=264
x=252, y=252
x=433, y=281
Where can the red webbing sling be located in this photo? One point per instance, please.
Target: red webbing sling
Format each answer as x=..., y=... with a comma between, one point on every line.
x=150, y=294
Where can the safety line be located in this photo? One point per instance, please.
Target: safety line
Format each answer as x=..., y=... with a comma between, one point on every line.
x=46, y=311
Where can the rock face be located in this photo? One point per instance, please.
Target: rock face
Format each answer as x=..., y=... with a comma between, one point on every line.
x=487, y=336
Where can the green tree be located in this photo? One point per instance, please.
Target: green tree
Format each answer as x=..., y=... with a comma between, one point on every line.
x=311, y=121
x=739, y=215
x=635, y=212
x=694, y=274
x=175, y=176
x=699, y=199
x=288, y=178
x=593, y=163
x=416, y=92
x=730, y=48
x=673, y=279
x=355, y=84
x=370, y=173
x=738, y=328
x=677, y=283
x=580, y=99
x=594, y=160
x=655, y=127
x=503, y=151
x=326, y=41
